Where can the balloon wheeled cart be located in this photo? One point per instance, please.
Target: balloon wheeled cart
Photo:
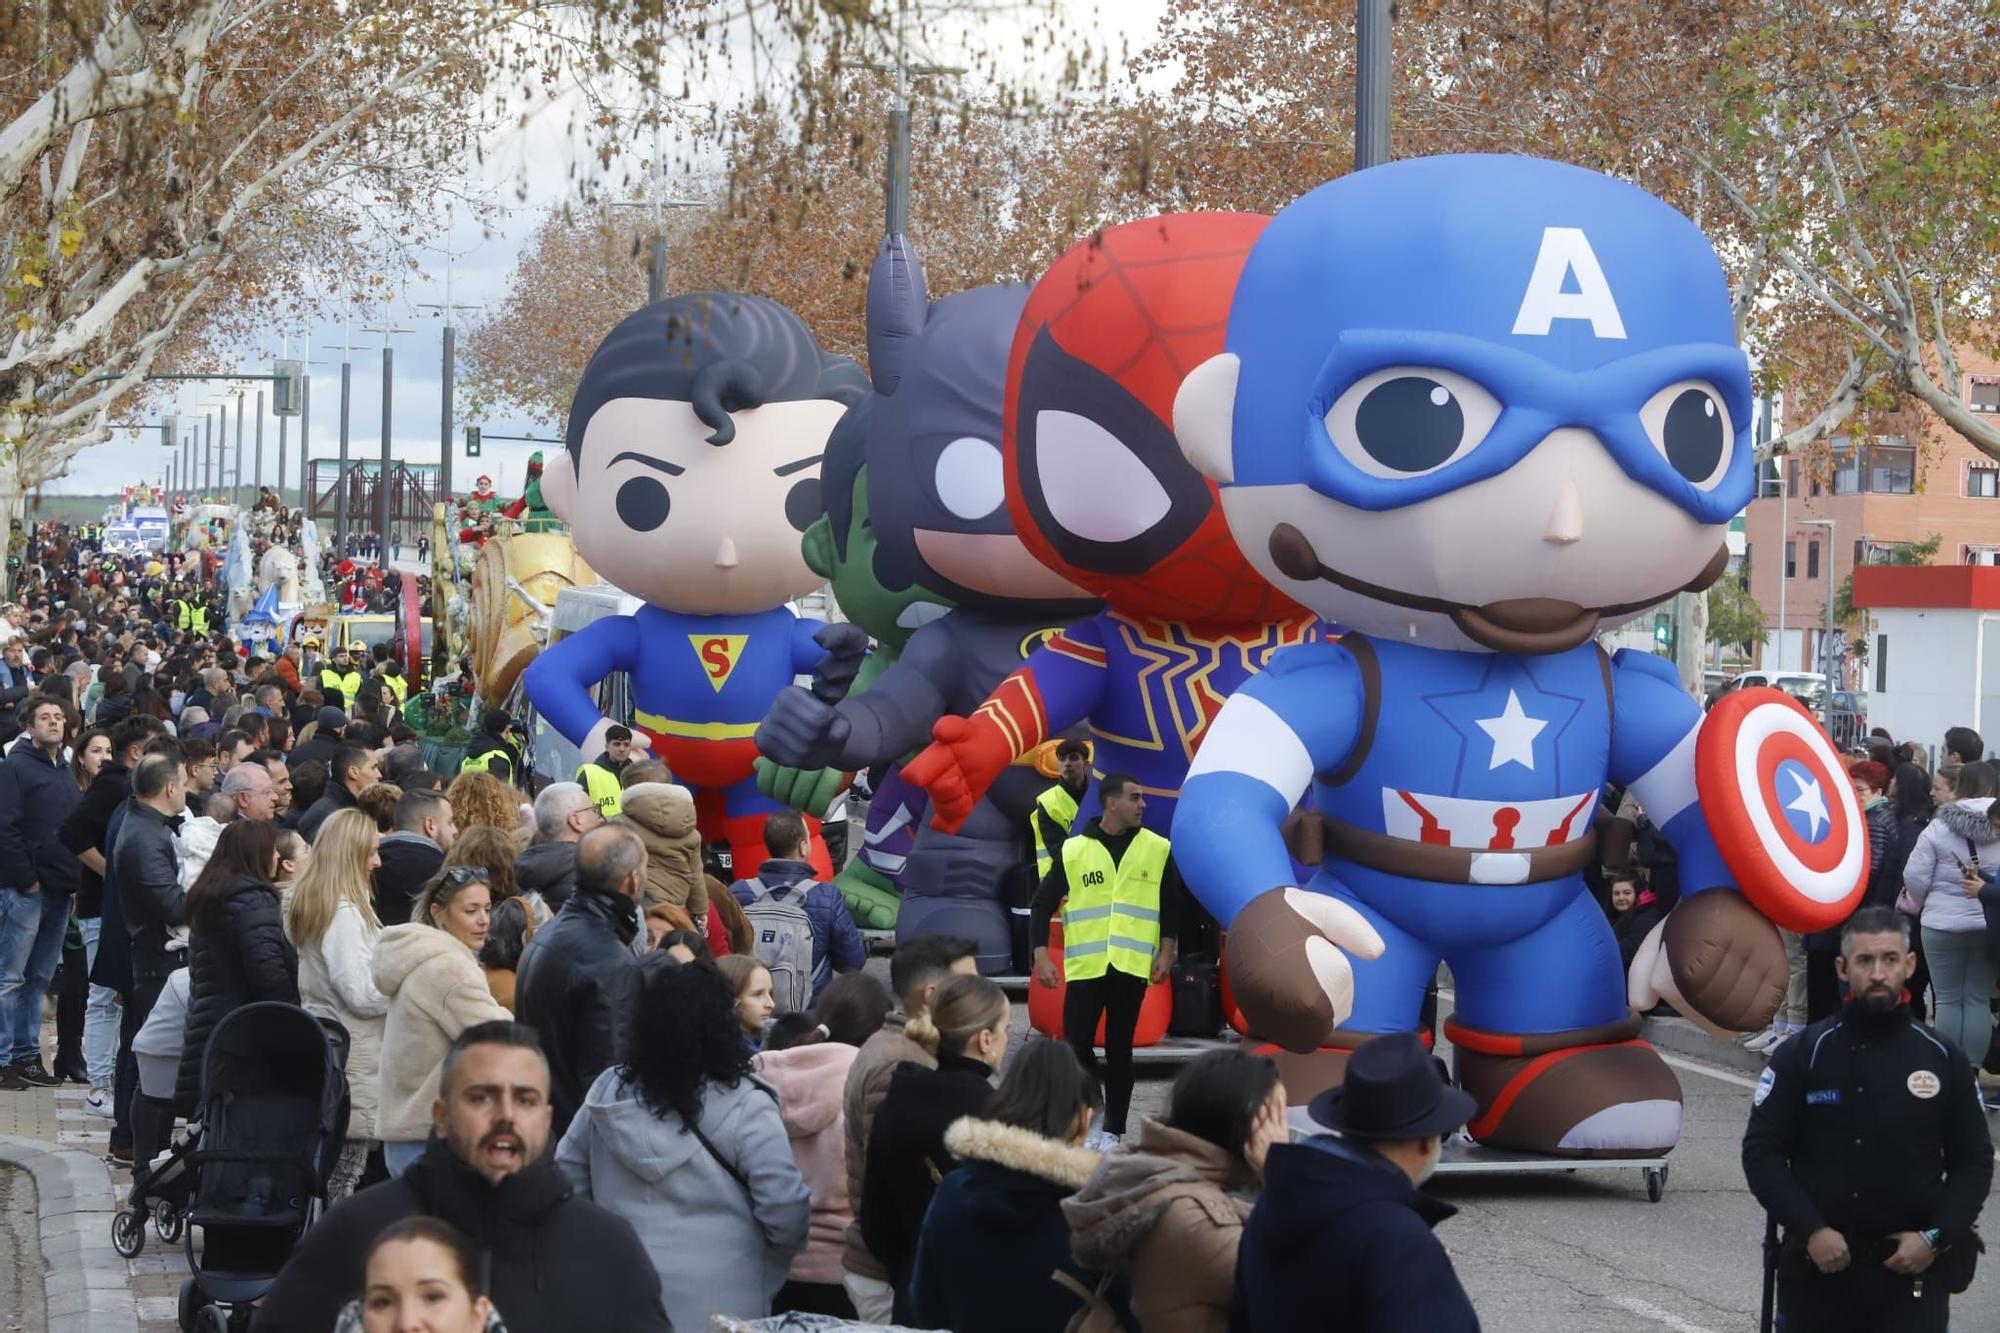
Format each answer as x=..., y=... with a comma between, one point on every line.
x=1463, y=1157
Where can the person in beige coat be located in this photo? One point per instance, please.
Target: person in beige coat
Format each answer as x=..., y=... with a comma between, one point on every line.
x=914, y=973
x=663, y=815
x=1167, y=1207
x=429, y=970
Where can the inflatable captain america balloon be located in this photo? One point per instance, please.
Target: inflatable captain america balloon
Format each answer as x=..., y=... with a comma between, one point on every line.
x=1479, y=408
x=935, y=549
x=1100, y=493
x=692, y=466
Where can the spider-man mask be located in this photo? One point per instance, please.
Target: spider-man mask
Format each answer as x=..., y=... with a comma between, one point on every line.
x=1096, y=484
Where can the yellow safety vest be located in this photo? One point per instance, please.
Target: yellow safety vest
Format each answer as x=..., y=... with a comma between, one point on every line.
x=200, y=621
x=1112, y=917
x=184, y=617
x=483, y=762
x=349, y=685
x=1060, y=807
x=602, y=785
x=397, y=686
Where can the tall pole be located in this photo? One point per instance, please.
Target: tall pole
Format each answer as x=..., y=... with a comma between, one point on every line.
x=450, y=378
x=208, y=454
x=1372, y=19
x=259, y=475
x=281, y=456
x=382, y=481
x=1784, y=541
x=237, y=489
x=340, y=488
x=305, y=424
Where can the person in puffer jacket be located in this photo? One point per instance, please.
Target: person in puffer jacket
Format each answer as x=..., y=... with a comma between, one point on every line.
x=238, y=953
x=687, y=1145
x=994, y=1252
x=807, y=1058
x=663, y=815
x=1961, y=838
x=1167, y=1207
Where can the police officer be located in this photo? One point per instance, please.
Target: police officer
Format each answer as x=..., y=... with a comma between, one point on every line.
x=1123, y=900
x=1868, y=1145
x=600, y=777
x=1055, y=809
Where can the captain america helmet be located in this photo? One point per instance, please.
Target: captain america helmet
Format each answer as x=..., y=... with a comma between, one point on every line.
x=1479, y=401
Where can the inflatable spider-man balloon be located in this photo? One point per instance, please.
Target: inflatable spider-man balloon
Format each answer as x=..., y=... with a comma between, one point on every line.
x=1100, y=492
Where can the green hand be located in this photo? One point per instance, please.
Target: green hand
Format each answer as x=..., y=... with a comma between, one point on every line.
x=807, y=789
x=872, y=900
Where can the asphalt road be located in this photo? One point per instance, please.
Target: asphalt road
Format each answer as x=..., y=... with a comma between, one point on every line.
x=1587, y=1253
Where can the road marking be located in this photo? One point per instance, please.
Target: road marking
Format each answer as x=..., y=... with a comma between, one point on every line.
x=1709, y=1071
x=1665, y=1318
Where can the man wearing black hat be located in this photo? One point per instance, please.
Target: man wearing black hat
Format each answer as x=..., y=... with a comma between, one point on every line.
x=1341, y=1237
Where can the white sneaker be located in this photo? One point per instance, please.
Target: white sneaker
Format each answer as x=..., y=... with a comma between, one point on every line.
x=98, y=1103
x=1764, y=1040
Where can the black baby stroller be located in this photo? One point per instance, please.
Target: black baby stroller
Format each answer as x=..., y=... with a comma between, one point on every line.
x=273, y=1115
x=161, y=1189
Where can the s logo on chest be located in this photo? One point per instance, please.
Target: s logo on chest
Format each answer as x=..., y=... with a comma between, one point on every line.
x=718, y=655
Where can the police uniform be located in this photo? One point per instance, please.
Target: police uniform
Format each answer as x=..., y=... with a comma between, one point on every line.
x=1120, y=897
x=1870, y=1124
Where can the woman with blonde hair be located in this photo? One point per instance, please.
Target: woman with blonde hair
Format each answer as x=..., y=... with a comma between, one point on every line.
x=429, y=969
x=330, y=916
x=480, y=798
x=966, y=1029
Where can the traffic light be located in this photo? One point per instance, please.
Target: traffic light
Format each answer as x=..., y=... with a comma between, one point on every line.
x=1663, y=632
x=285, y=395
x=472, y=441
x=170, y=427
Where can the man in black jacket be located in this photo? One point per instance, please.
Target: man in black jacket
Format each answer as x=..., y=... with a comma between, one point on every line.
x=412, y=854
x=151, y=904
x=579, y=977
x=1341, y=1235
x=1868, y=1146
x=38, y=877
x=353, y=771
x=557, y=1262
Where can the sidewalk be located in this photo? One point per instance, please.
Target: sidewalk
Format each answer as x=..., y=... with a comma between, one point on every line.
x=89, y=1288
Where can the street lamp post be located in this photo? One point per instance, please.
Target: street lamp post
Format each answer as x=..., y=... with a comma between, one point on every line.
x=383, y=491
x=1372, y=20
x=1826, y=634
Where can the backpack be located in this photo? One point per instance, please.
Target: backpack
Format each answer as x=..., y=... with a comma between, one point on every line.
x=781, y=938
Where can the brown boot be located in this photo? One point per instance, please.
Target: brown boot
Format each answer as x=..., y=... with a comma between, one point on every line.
x=1589, y=1092
x=1306, y=1075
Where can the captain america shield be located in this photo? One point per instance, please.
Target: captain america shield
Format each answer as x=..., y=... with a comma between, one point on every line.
x=1784, y=815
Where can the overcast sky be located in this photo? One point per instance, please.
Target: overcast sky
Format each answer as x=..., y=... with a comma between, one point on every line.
x=541, y=155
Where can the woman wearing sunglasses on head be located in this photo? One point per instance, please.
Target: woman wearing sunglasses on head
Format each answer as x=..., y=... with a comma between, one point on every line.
x=429, y=969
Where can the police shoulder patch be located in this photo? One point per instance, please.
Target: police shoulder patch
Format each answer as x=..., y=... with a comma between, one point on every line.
x=1765, y=1082
x=1924, y=1084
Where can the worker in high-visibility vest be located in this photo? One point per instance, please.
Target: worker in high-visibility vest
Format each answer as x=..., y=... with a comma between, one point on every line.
x=339, y=674
x=602, y=777
x=1119, y=895
x=1055, y=809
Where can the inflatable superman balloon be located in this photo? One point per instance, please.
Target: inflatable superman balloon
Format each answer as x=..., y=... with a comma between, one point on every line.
x=941, y=551
x=694, y=447
x=1099, y=491
x=1477, y=409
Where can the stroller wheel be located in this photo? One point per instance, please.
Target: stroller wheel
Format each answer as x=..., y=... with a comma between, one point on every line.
x=128, y=1233
x=211, y=1319
x=168, y=1221
x=191, y=1304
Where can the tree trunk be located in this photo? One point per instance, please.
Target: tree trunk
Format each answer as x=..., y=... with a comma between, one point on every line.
x=13, y=508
